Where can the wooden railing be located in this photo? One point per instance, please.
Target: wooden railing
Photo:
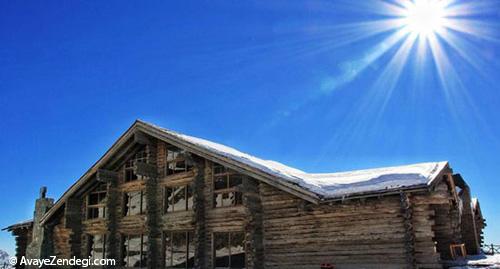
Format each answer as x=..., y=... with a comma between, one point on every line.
x=491, y=249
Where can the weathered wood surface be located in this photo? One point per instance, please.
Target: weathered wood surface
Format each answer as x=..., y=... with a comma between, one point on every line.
x=73, y=220
x=112, y=205
x=254, y=226
x=199, y=216
x=407, y=211
x=282, y=230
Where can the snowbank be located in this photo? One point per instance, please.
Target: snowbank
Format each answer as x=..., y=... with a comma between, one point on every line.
x=481, y=261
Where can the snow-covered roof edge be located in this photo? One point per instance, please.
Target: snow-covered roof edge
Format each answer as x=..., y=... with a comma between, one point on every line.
x=330, y=185
x=278, y=175
x=21, y=224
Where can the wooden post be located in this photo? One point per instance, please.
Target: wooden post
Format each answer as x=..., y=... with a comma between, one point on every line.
x=112, y=202
x=199, y=215
x=73, y=215
x=407, y=212
x=254, y=225
x=150, y=171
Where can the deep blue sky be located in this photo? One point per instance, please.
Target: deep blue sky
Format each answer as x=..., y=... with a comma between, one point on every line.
x=277, y=79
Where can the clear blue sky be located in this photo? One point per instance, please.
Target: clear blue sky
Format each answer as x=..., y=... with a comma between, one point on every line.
x=316, y=85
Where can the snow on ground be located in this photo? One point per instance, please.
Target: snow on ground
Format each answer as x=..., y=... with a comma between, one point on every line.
x=481, y=261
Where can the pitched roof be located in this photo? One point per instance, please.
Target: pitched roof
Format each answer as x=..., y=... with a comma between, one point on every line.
x=309, y=186
x=22, y=224
x=328, y=185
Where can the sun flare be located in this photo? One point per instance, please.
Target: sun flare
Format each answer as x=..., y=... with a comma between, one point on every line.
x=414, y=34
x=424, y=17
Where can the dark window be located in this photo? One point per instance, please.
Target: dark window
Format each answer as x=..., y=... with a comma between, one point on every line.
x=135, y=250
x=226, y=183
x=176, y=161
x=129, y=171
x=179, y=198
x=97, y=246
x=134, y=203
x=229, y=250
x=219, y=169
x=179, y=249
x=96, y=202
x=140, y=156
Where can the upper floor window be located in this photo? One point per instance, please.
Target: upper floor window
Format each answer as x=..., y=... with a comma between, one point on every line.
x=140, y=156
x=179, y=249
x=179, y=198
x=97, y=246
x=176, y=161
x=229, y=250
x=225, y=186
x=134, y=250
x=96, y=202
x=135, y=203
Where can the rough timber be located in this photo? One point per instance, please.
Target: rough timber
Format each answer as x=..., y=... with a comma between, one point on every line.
x=394, y=217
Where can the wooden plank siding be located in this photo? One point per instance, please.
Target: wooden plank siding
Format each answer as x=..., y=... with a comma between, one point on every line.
x=355, y=234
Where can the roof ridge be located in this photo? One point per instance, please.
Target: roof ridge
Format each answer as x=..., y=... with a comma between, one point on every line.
x=326, y=185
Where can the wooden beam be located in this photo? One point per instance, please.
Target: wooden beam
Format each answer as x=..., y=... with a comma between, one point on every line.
x=407, y=211
x=232, y=164
x=145, y=169
x=153, y=213
x=141, y=138
x=106, y=176
x=453, y=190
x=199, y=217
x=254, y=227
x=121, y=155
x=73, y=221
x=112, y=203
x=85, y=177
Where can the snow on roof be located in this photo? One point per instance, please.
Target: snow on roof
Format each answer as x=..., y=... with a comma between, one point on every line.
x=19, y=225
x=331, y=185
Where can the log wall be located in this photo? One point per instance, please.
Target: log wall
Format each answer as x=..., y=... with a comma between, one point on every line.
x=23, y=238
x=355, y=234
x=283, y=231
x=61, y=237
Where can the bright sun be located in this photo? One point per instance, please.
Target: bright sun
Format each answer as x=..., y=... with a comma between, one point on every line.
x=424, y=17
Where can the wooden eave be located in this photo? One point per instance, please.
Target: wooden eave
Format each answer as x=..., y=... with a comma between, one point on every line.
x=279, y=183
x=155, y=132
x=87, y=175
x=231, y=163
x=17, y=226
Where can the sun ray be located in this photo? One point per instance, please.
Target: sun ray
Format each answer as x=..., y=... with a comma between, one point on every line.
x=463, y=48
x=471, y=8
x=422, y=32
x=474, y=28
x=391, y=73
x=346, y=35
x=352, y=69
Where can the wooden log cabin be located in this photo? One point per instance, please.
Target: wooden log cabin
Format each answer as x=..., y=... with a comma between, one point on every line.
x=160, y=199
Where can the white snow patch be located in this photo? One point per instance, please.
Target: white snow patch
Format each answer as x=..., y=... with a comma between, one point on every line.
x=474, y=202
x=330, y=185
x=481, y=261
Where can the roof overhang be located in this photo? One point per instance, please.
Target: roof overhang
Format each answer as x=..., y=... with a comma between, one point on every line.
x=20, y=225
x=140, y=126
